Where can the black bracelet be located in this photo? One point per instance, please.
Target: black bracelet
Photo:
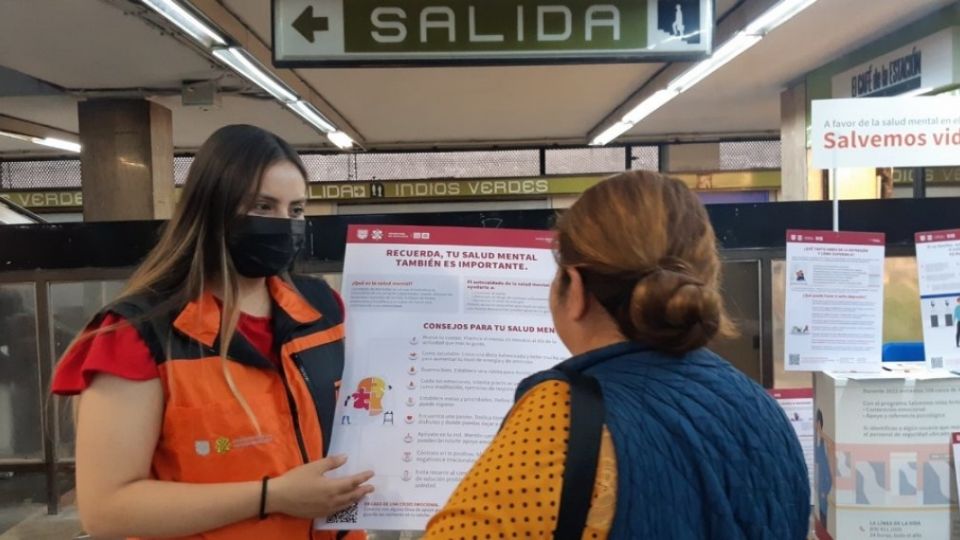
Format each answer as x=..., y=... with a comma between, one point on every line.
x=263, y=498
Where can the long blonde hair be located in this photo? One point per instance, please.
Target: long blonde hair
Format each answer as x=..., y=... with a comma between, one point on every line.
x=221, y=185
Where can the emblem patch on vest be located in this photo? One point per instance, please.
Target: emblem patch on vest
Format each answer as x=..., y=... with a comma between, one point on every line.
x=202, y=448
x=223, y=445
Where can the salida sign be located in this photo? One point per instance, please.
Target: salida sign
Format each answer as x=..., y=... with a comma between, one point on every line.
x=886, y=132
x=391, y=32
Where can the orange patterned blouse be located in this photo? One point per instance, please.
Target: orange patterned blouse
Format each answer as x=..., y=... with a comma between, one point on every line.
x=513, y=490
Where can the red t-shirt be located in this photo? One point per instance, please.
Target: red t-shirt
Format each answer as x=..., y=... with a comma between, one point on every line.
x=122, y=353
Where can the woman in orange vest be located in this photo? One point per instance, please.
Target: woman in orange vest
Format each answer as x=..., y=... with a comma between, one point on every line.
x=207, y=390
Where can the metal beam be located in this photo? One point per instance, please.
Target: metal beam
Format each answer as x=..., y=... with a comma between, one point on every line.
x=19, y=126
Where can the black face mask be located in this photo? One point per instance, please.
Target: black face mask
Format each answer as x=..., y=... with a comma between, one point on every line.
x=263, y=247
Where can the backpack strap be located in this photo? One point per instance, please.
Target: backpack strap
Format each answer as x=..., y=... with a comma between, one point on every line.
x=587, y=414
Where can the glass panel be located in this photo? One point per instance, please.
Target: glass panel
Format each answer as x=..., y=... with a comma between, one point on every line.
x=738, y=156
x=646, y=158
x=72, y=305
x=901, y=313
x=181, y=166
x=585, y=160
x=422, y=165
x=20, y=398
x=45, y=174
x=741, y=295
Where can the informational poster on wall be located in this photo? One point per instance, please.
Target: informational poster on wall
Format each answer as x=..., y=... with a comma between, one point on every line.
x=882, y=456
x=938, y=266
x=955, y=444
x=797, y=404
x=442, y=325
x=834, y=309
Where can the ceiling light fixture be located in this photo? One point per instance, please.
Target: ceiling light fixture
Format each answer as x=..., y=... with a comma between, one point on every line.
x=187, y=22
x=652, y=103
x=720, y=57
x=611, y=133
x=61, y=144
x=732, y=48
x=51, y=142
x=183, y=16
x=312, y=116
x=341, y=140
x=244, y=64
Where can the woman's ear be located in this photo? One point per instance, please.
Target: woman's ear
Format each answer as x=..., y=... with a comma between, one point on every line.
x=577, y=301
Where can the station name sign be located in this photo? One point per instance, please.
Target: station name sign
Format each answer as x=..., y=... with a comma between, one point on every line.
x=490, y=189
x=450, y=32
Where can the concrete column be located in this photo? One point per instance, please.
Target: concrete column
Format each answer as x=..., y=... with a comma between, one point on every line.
x=127, y=160
x=794, y=174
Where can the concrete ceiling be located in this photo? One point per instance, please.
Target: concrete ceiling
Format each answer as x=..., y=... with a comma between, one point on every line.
x=90, y=48
x=745, y=94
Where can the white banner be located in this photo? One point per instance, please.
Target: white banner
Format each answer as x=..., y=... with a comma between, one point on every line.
x=886, y=132
x=442, y=324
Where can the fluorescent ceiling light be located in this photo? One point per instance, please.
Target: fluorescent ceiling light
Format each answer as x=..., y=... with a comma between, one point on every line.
x=186, y=21
x=647, y=106
x=245, y=65
x=740, y=42
x=51, y=142
x=310, y=113
x=61, y=144
x=341, y=140
x=727, y=52
x=611, y=133
x=777, y=15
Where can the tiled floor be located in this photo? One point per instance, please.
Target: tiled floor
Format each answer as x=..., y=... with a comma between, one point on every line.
x=23, y=511
x=40, y=526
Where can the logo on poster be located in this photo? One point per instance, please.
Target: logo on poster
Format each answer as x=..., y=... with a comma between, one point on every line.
x=363, y=234
x=377, y=234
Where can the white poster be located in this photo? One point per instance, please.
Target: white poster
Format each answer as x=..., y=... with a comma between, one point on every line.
x=442, y=324
x=886, y=132
x=938, y=266
x=955, y=443
x=797, y=404
x=834, y=313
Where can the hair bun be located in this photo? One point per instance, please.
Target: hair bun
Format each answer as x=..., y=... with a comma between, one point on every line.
x=673, y=310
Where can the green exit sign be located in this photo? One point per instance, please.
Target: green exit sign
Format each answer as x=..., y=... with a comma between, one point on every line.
x=326, y=33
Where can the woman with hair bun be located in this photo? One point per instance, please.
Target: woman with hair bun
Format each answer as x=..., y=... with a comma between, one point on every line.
x=643, y=433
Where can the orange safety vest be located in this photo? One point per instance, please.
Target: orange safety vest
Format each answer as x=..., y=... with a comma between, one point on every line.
x=207, y=437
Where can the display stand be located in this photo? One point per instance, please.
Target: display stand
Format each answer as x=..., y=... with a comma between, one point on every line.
x=882, y=455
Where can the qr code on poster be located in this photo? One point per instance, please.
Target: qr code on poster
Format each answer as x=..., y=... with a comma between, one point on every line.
x=936, y=362
x=347, y=515
x=794, y=359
